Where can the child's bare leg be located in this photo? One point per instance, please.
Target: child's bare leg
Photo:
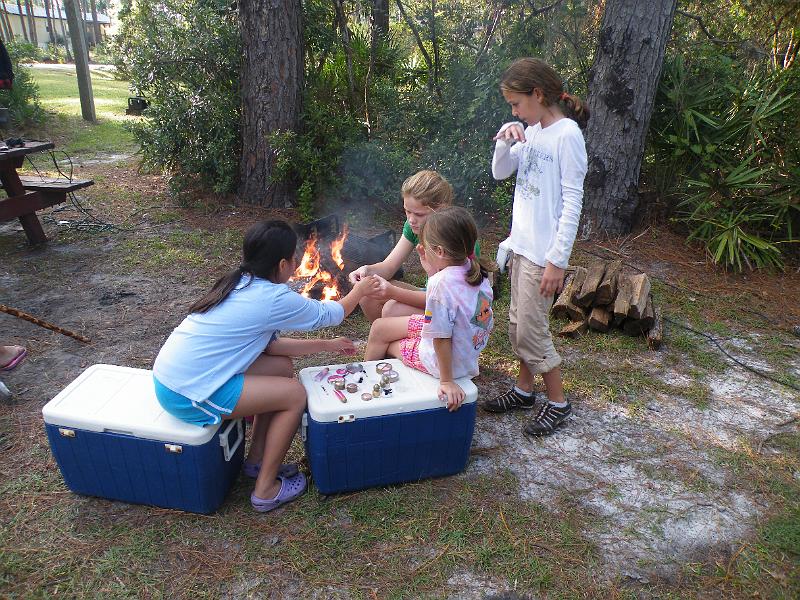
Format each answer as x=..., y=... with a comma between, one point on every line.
x=554, y=385
x=394, y=350
x=285, y=399
x=393, y=308
x=525, y=377
x=371, y=307
x=382, y=333
x=279, y=366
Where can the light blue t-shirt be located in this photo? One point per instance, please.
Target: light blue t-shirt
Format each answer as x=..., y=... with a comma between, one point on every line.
x=209, y=348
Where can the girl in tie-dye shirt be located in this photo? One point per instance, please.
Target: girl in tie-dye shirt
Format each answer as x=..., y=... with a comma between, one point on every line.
x=447, y=339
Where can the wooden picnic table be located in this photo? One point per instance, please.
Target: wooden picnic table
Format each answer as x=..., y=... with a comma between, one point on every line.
x=26, y=195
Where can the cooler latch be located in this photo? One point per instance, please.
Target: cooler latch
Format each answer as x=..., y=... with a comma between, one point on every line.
x=224, y=438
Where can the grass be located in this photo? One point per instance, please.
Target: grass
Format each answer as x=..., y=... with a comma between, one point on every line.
x=58, y=89
x=406, y=541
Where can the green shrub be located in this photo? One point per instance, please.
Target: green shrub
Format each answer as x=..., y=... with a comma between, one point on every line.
x=103, y=53
x=25, y=51
x=724, y=153
x=183, y=56
x=22, y=100
x=56, y=53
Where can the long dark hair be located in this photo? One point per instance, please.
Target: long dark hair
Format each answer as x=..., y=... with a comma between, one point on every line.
x=265, y=245
x=526, y=74
x=453, y=229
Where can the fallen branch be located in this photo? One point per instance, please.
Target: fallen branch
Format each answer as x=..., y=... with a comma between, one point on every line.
x=36, y=321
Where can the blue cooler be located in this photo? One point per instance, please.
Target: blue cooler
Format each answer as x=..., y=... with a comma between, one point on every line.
x=111, y=438
x=405, y=436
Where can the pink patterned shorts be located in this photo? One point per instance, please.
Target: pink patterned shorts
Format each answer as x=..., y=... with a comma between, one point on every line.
x=409, y=346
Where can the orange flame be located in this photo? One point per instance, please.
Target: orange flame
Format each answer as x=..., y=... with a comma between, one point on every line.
x=309, y=268
x=309, y=265
x=336, y=248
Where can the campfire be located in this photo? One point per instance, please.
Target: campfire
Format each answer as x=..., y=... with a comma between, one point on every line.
x=330, y=253
x=321, y=275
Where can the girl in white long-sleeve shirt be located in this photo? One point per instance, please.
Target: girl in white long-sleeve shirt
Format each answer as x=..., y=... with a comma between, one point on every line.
x=549, y=157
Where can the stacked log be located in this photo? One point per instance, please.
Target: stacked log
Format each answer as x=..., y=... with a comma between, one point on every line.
x=602, y=296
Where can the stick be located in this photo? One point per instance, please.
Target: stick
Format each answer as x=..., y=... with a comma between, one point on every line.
x=36, y=321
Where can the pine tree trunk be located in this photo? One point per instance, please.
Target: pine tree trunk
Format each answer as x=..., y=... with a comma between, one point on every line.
x=22, y=21
x=8, y=31
x=271, y=87
x=96, y=33
x=31, y=22
x=622, y=88
x=51, y=35
x=63, y=31
x=380, y=22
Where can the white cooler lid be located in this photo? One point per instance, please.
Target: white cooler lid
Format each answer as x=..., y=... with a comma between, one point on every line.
x=108, y=398
x=412, y=392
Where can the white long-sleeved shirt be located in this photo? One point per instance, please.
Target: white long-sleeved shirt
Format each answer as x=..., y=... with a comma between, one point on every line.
x=551, y=164
x=209, y=348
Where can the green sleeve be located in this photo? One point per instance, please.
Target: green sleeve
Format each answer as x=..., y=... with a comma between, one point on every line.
x=409, y=234
x=477, y=248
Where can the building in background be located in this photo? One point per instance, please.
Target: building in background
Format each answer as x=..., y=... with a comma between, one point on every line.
x=58, y=18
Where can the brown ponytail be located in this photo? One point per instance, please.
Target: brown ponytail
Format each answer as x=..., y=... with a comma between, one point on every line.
x=454, y=231
x=527, y=74
x=575, y=109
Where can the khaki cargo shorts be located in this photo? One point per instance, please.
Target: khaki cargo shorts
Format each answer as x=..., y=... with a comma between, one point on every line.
x=528, y=322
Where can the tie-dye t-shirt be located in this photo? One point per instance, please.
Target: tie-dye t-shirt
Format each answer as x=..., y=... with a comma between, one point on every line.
x=455, y=309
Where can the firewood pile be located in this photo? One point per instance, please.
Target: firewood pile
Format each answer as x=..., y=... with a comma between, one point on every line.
x=602, y=296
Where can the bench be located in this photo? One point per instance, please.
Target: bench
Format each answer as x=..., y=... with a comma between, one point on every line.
x=52, y=190
x=54, y=185
x=36, y=193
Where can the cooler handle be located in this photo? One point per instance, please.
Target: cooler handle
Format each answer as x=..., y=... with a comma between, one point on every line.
x=304, y=427
x=225, y=439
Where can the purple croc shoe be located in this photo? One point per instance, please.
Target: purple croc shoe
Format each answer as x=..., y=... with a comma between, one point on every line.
x=287, y=470
x=291, y=489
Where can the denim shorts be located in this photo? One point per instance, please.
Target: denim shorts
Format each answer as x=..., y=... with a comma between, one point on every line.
x=201, y=412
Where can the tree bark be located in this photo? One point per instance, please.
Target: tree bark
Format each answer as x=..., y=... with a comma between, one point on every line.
x=348, y=52
x=22, y=21
x=98, y=34
x=63, y=31
x=81, y=51
x=8, y=32
x=50, y=33
x=271, y=87
x=622, y=88
x=380, y=22
x=31, y=22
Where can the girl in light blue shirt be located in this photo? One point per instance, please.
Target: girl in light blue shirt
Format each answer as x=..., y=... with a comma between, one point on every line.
x=226, y=359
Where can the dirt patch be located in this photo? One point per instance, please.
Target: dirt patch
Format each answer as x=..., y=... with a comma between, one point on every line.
x=652, y=472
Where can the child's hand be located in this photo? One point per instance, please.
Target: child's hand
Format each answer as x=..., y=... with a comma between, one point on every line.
x=384, y=291
x=552, y=280
x=358, y=274
x=341, y=345
x=368, y=285
x=451, y=393
x=512, y=133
